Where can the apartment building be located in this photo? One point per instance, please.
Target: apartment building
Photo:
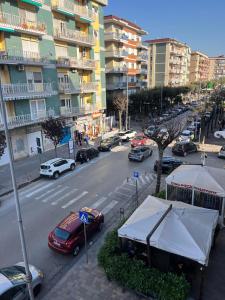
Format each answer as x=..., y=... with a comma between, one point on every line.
x=169, y=62
x=217, y=67
x=199, y=67
x=51, y=64
x=125, y=55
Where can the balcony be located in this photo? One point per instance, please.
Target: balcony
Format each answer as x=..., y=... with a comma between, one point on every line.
x=116, y=86
x=77, y=111
x=69, y=88
x=142, y=57
x=22, y=58
x=18, y=91
x=142, y=46
x=13, y=23
x=116, y=53
x=73, y=37
x=89, y=87
x=83, y=13
x=76, y=63
x=114, y=36
x=102, y=2
x=29, y=119
x=37, y=3
x=116, y=69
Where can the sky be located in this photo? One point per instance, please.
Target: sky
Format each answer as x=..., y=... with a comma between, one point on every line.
x=198, y=23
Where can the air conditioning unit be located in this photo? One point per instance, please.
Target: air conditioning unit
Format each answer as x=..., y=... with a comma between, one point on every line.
x=20, y=68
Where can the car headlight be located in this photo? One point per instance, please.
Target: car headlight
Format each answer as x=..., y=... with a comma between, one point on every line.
x=40, y=274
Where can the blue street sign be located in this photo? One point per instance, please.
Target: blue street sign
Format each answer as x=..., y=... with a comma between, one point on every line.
x=135, y=174
x=83, y=216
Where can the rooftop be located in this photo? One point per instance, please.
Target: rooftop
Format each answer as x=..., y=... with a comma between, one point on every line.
x=165, y=40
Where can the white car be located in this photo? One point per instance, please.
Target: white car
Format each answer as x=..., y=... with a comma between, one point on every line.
x=13, y=282
x=186, y=135
x=54, y=167
x=127, y=135
x=221, y=153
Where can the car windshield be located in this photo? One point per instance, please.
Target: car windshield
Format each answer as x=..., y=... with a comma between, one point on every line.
x=136, y=151
x=15, y=274
x=44, y=167
x=122, y=134
x=138, y=138
x=62, y=234
x=185, y=133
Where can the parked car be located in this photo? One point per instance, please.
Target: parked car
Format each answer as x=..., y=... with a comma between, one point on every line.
x=221, y=153
x=108, y=144
x=140, y=153
x=184, y=148
x=13, y=282
x=186, y=135
x=54, y=167
x=150, y=130
x=168, y=164
x=125, y=136
x=68, y=235
x=86, y=154
x=139, y=140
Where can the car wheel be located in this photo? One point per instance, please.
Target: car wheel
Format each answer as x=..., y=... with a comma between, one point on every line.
x=56, y=175
x=72, y=167
x=110, y=148
x=76, y=250
x=100, y=226
x=142, y=159
x=87, y=159
x=37, y=290
x=150, y=153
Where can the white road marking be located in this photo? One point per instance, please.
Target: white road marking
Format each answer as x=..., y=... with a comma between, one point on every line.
x=31, y=188
x=54, y=194
x=124, y=195
x=125, y=188
x=46, y=193
x=40, y=189
x=110, y=194
x=99, y=202
x=75, y=199
x=142, y=180
x=109, y=207
x=64, y=196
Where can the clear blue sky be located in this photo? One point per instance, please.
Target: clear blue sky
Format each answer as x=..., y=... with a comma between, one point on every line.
x=199, y=23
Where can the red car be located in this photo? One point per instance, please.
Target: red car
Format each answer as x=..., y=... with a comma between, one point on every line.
x=68, y=236
x=139, y=140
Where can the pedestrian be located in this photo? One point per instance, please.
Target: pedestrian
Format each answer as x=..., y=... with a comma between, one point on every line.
x=223, y=123
x=80, y=138
x=86, y=139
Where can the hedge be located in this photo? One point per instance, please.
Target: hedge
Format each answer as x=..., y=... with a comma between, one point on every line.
x=133, y=274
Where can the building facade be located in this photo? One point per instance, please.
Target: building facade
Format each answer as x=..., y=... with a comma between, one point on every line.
x=217, y=67
x=199, y=68
x=126, y=56
x=51, y=64
x=169, y=62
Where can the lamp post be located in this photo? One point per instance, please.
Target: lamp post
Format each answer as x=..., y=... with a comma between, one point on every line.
x=127, y=103
x=16, y=197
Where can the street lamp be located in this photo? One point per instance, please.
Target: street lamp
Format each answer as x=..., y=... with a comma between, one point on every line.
x=127, y=103
x=16, y=197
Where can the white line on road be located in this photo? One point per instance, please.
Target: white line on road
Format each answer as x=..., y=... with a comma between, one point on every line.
x=142, y=180
x=46, y=193
x=75, y=199
x=109, y=207
x=99, y=202
x=126, y=188
x=63, y=197
x=38, y=190
x=54, y=194
x=31, y=188
x=124, y=195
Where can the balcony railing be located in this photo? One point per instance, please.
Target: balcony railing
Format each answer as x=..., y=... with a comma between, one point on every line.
x=116, y=69
x=116, y=53
x=23, y=120
x=109, y=36
x=89, y=87
x=69, y=88
x=77, y=63
x=76, y=111
x=11, y=23
x=83, y=12
x=18, y=91
x=116, y=86
x=73, y=36
x=22, y=57
x=142, y=57
x=142, y=46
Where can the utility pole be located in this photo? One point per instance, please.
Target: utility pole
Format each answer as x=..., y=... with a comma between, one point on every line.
x=127, y=104
x=16, y=197
x=161, y=99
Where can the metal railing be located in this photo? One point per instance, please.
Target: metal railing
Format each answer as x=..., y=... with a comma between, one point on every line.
x=89, y=87
x=116, y=86
x=69, y=88
x=75, y=111
x=76, y=63
x=23, y=57
x=72, y=8
x=74, y=36
x=116, y=36
x=64, y=5
x=21, y=23
x=83, y=11
x=116, y=53
x=116, y=69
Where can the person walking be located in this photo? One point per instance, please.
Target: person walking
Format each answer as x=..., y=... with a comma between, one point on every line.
x=86, y=139
x=80, y=138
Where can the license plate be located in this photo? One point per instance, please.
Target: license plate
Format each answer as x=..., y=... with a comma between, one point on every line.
x=56, y=243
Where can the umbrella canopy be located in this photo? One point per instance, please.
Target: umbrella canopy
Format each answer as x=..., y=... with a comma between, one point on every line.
x=202, y=178
x=186, y=230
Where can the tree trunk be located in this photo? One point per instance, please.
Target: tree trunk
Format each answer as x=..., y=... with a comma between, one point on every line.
x=120, y=120
x=55, y=150
x=159, y=171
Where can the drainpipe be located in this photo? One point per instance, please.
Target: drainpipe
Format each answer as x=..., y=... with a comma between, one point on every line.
x=152, y=231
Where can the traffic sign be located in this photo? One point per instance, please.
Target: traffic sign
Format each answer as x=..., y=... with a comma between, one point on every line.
x=135, y=174
x=83, y=216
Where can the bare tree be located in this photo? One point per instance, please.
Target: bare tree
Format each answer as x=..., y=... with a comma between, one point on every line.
x=163, y=136
x=120, y=104
x=2, y=144
x=53, y=130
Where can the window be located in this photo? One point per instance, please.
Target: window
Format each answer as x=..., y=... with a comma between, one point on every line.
x=37, y=108
x=62, y=234
x=61, y=51
x=66, y=103
x=29, y=46
x=29, y=16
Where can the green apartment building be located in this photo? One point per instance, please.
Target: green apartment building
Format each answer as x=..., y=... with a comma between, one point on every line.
x=51, y=64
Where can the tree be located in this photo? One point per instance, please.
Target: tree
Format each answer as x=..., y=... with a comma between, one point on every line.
x=53, y=130
x=120, y=104
x=2, y=144
x=163, y=136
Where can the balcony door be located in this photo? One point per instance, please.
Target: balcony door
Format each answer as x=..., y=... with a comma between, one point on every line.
x=35, y=81
x=63, y=80
x=65, y=105
x=37, y=109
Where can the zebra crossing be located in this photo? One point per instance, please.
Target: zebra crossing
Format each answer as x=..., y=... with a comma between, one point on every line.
x=65, y=197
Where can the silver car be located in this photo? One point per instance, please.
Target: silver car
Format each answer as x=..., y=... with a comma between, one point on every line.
x=13, y=282
x=139, y=153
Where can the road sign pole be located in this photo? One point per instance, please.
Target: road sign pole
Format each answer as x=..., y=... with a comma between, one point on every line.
x=85, y=241
x=136, y=192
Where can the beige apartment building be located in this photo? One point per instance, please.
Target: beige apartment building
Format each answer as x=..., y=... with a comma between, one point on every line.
x=217, y=67
x=169, y=62
x=199, y=68
x=125, y=56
